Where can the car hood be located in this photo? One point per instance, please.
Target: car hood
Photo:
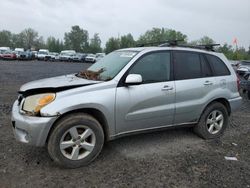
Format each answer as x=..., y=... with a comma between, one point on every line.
x=244, y=68
x=55, y=84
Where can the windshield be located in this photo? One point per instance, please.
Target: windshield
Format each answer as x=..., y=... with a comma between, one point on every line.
x=245, y=63
x=43, y=52
x=109, y=66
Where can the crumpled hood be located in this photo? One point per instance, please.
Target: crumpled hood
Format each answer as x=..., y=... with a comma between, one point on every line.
x=58, y=83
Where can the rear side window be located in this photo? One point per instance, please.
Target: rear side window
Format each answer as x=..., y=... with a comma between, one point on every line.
x=187, y=65
x=219, y=67
x=205, y=67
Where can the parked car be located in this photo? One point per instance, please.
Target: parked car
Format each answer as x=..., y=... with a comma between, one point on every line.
x=42, y=53
x=128, y=91
x=99, y=56
x=245, y=84
x=53, y=56
x=79, y=57
x=90, y=58
x=18, y=52
x=67, y=55
x=3, y=50
x=25, y=55
x=244, y=67
x=34, y=54
x=9, y=55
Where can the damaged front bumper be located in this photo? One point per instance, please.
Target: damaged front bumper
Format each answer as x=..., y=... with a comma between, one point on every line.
x=31, y=130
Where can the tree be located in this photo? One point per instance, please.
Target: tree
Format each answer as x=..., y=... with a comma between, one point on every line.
x=5, y=38
x=76, y=39
x=127, y=41
x=160, y=35
x=29, y=37
x=203, y=41
x=112, y=44
x=54, y=45
x=95, y=44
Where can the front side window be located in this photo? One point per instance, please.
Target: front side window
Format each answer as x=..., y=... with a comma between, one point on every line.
x=154, y=67
x=220, y=69
x=187, y=65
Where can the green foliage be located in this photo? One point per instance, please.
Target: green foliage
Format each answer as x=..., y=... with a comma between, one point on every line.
x=76, y=39
x=127, y=41
x=95, y=44
x=54, y=45
x=203, y=41
x=112, y=44
x=161, y=34
x=5, y=38
x=238, y=54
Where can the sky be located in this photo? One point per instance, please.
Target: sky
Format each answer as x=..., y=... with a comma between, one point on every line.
x=222, y=20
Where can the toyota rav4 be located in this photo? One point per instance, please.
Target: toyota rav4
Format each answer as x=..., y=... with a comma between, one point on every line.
x=128, y=91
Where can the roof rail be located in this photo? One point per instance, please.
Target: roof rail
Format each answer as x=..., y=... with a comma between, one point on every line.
x=208, y=47
x=161, y=43
x=171, y=43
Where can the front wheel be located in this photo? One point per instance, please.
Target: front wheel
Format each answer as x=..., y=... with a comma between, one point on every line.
x=76, y=140
x=213, y=121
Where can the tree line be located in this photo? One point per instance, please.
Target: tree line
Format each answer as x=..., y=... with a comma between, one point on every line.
x=79, y=40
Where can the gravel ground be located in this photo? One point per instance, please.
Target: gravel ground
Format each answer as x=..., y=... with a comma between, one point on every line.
x=172, y=158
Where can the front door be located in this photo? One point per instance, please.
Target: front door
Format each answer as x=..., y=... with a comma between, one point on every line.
x=152, y=103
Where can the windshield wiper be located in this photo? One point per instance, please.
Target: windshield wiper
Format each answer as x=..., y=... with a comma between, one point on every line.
x=91, y=75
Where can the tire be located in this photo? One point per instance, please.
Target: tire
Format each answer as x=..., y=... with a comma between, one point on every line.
x=78, y=151
x=206, y=127
x=248, y=94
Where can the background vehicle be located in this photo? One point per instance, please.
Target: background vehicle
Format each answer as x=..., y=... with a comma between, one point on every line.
x=128, y=91
x=10, y=55
x=67, y=55
x=99, y=56
x=42, y=53
x=53, y=56
x=245, y=84
x=79, y=57
x=18, y=51
x=90, y=58
x=244, y=67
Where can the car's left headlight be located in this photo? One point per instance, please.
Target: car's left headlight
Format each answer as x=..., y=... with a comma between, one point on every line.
x=34, y=103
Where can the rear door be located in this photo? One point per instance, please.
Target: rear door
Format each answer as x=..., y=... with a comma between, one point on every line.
x=194, y=81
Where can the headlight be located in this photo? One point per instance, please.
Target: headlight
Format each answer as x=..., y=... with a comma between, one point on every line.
x=34, y=103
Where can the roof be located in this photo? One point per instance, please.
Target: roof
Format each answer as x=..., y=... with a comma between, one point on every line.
x=140, y=49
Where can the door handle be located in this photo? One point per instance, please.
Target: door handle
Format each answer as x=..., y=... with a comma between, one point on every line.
x=208, y=83
x=167, y=88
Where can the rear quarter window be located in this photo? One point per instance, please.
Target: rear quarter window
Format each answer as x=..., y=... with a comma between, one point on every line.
x=219, y=67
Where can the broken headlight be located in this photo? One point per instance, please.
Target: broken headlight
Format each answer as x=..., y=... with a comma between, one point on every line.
x=34, y=103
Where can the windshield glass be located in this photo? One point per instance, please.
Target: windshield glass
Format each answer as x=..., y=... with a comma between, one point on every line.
x=43, y=52
x=245, y=63
x=109, y=66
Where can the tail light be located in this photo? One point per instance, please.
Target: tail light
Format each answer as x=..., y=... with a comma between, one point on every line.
x=238, y=82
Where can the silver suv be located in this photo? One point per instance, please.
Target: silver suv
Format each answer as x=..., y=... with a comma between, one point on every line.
x=128, y=91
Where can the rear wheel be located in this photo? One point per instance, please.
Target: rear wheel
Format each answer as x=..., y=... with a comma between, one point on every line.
x=213, y=121
x=76, y=140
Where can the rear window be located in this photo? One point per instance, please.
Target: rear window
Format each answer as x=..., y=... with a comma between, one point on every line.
x=219, y=67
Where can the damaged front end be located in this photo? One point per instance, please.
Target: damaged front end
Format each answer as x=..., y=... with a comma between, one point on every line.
x=35, y=95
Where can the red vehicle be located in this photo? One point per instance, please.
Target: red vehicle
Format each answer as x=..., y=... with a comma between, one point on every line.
x=8, y=55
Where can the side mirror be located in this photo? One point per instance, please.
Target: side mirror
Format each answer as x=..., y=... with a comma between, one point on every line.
x=133, y=79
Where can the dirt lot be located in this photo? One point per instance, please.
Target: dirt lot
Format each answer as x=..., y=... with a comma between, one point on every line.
x=172, y=158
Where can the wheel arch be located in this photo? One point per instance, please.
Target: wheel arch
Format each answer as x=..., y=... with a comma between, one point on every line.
x=97, y=114
x=223, y=101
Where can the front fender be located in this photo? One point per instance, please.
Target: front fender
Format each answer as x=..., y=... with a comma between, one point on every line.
x=102, y=100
